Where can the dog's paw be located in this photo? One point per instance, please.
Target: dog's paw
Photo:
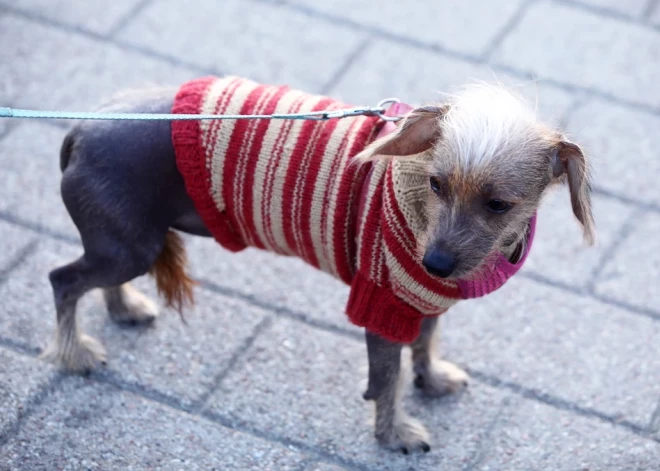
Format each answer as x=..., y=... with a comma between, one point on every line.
x=407, y=435
x=440, y=378
x=81, y=355
x=129, y=306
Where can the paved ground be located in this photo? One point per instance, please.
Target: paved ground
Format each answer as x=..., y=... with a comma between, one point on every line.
x=268, y=374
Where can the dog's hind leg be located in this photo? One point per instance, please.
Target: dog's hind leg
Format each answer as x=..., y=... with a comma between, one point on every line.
x=126, y=305
x=434, y=376
x=394, y=428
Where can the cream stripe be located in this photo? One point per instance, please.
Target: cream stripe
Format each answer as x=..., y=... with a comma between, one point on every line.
x=275, y=127
x=210, y=105
x=221, y=141
x=379, y=168
x=275, y=203
x=243, y=158
x=405, y=286
x=322, y=236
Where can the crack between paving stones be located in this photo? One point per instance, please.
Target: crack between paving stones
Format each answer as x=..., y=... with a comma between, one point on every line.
x=32, y=405
x=508, y=27
x=651, y=6
x=654, y=422
x=561, y=404
x=127, y=18
x=620, y=237
x=602, y=12
x=485, y=443
x=18, y=259
x=202, y=404
x=346, y=66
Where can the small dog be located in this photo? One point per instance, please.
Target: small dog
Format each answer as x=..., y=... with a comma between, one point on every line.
x=414, y=216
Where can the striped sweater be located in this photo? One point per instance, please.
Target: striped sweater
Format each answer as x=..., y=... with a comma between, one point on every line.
x=286, y=186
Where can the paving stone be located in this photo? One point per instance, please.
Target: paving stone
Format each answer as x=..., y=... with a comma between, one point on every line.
x=388, y=69
x=21, y=378
x=655, y=15
x=14, y=239
x=323, y=467
x=572, y=347
x=46, y=68
x=97, y=15
x=560, y=252
x=306, y=385
x=283, y=282
x=435, y=23
x=631, y=274
x=536, y=436
x=89, y=426
x=574, y=43
x=631, y=8
x=175, y=359
x=257, y=40
x=30, y=162
x=623, y=146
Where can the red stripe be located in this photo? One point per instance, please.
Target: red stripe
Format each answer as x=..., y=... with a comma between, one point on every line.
x=307, y=133
x=191, y=160
x=231, y=169
x=273, y=164
x=354, y=182
x=251, y=166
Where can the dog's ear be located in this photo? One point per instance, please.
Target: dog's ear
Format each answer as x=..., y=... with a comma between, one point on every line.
x=417, y=132
x=570, y=163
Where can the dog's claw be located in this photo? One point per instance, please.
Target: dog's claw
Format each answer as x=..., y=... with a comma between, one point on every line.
x=419, y=382
x=404, y=450
x=425, y=447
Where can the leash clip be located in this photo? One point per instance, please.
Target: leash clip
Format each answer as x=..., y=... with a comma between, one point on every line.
x=5, y=112
x=382, y=110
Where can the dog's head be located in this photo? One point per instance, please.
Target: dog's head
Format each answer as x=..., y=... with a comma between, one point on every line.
x=491, y=163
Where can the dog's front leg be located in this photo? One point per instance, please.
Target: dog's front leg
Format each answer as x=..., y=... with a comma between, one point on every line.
x=394, y=428
x=432, y=375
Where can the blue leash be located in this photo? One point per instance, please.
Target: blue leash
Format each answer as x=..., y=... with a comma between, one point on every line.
x=378, y=110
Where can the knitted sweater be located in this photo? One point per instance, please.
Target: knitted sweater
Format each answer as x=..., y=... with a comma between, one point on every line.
x=287, y=186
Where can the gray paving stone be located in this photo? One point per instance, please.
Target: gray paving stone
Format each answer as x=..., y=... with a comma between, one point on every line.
x=631, y=274
x=257, y=40
x=536, y=436
x=284, y=282
x=97, y=15
x=49, y=68
x=571, y=347
x=175, y=359
x=388, y=69
x=323, y=467
x=436, y=23
x=631, y=8
x=306, y=385
x=574, y=43
x=559, y=252
x=21, y=378
x=89, y=426
x=14, y=239
x=30, y=163
x=655, y=15
x=623, y=146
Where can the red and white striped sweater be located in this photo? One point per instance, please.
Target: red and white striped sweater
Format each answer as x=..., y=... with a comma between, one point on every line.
x=287, y=186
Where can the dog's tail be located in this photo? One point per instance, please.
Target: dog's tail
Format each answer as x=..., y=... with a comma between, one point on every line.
x=169, y=271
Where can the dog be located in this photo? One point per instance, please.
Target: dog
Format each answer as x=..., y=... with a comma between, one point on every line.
x=414, y=216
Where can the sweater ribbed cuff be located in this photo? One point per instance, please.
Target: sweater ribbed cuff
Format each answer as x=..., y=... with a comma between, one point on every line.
x=191, y=162
x=377, y=309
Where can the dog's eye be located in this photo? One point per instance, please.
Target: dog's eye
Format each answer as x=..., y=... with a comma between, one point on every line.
x=498, y=206
x=435, y=184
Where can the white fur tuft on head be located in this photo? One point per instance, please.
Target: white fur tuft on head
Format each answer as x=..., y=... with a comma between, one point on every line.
x=485, y=121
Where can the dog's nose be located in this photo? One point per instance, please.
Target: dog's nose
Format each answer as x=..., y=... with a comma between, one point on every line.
x=439, y=263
